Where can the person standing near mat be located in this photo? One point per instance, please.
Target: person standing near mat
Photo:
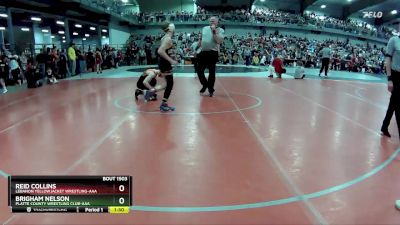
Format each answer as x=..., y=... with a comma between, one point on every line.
x=4, y=70
x=165, y=66
x=326, y=56
x=196, y=49
x=211, y=37
x=392, y=61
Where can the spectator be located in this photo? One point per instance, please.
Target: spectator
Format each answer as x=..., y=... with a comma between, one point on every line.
x=277, y=63
x=81, y=65
x=72, y=59
x=118, y=58
x=53, y=60
x=128, y=55
x=62, y=65
x=78, y=62
x=247, y=56
x=24, y=61
x=15, y=70
x=41, y=60
x=109, y=61
x=263, y=60
x=90, y=61
x=196, y=49
x=256, y=59
x=299, y=72
x=51, y=79
x=32, y=76
x=142, y=56
x=3, y=73
x=99, y=61
x=135, y=52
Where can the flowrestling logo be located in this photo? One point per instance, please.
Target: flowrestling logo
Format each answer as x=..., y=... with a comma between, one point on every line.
x=372, y=14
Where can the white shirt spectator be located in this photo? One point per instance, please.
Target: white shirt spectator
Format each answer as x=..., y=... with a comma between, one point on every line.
x=263, y=60
x=195, y=48
x=14, y=63
x=299, y=72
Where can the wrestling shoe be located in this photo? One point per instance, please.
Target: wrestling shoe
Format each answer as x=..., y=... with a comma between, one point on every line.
x=165, y=108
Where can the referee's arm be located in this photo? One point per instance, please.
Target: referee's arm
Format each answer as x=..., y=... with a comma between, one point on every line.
x=219, y=36
x=388, y=62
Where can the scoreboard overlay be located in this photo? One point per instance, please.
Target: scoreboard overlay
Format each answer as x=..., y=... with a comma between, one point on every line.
x=70, y=194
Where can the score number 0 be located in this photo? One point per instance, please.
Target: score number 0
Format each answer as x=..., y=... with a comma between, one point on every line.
x=121, y=188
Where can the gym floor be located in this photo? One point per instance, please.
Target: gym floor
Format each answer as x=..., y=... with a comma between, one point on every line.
x=262, y=151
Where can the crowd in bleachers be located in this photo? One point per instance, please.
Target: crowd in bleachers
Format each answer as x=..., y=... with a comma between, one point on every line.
x=349, y=25
x=264, y=15
x=249, y=49
x=257, y=15
x=259, y=50
x=51, y=64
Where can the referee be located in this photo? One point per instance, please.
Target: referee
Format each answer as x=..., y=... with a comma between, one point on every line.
x=392, y=61
x=211, y=37
x=325, y=55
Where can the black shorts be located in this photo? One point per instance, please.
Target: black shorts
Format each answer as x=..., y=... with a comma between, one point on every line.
x=3, y=71
x=15, y=74
x=164, y=65
x=141, y=86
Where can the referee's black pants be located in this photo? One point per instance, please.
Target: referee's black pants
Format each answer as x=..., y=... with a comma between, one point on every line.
x=325, y=66
x=394, y=103
x=207, y=59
